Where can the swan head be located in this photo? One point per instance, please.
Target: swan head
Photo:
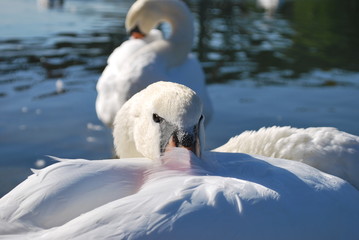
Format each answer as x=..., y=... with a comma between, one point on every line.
x=162, y=116
x=142, y=17
x=145, y=15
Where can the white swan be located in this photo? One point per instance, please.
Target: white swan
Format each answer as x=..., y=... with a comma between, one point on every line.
x=327, y=149
x=147, y=57
x=177, y=196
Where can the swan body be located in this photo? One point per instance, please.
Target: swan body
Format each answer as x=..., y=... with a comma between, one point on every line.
x=177, y=195
x=327, y=149
x=54, y=195
x=139, y=62
x=238, y=196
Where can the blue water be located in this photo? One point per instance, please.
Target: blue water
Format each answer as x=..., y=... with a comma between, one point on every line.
x=297, y=67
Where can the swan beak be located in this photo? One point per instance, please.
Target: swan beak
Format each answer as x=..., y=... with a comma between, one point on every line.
x=185, y=139
x=136, y=33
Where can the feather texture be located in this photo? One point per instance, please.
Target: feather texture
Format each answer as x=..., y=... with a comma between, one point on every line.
x=327, y=149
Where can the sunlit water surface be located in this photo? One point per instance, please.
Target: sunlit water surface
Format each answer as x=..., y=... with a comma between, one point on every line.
x=295, y=65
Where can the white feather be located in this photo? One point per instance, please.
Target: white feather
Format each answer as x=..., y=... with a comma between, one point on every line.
x=243, y=197
x=65, y=190
x=327, y=149
x=57, y=158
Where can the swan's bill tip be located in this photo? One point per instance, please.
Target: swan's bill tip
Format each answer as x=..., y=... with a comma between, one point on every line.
x=137, y=35
x=193, y=147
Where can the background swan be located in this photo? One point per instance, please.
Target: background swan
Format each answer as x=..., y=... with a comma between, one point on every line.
x=178, y=196
x=147, y=57
x=327, y=149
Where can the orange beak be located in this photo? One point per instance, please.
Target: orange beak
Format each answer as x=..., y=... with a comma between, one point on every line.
x=137, y=35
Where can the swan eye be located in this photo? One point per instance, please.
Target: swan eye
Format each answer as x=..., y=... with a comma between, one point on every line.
x=156, y=118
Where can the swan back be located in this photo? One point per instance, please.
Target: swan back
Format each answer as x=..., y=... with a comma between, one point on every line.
x=245, y=198
x=54, y=195
x=324, y=148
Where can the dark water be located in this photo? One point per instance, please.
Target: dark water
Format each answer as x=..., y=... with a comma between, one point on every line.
x=293, y=65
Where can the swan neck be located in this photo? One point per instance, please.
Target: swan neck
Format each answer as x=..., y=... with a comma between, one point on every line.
x=182, y=30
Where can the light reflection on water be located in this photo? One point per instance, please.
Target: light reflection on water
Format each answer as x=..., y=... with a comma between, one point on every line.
x=292, y=67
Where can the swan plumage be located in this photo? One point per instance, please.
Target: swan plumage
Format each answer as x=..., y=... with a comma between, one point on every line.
x=178, y=195
x=325, y=148
x=54, y=195
x=239, y=196
x=139, y=62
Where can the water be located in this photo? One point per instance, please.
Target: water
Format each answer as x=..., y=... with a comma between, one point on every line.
x=296, y=65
